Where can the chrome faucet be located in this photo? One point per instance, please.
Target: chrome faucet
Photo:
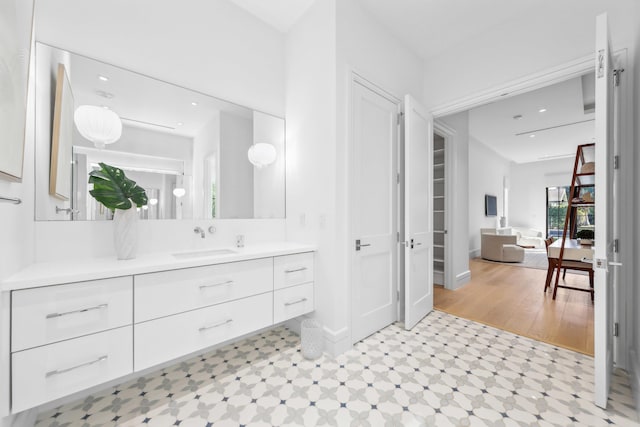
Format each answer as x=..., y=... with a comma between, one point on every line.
x=199, y=230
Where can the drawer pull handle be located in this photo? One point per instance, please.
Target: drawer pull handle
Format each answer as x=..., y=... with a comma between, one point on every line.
x=296, y=270
x=228, y=282
x=217, y=325
x=295, y=302
x=82, y=365
x=82, y=310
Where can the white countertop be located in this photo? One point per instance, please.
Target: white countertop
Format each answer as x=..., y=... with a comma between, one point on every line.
x=51, y=273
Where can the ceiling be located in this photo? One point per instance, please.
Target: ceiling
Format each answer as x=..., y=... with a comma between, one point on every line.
x=566, y=123
x=428, y=27
x=280, y=14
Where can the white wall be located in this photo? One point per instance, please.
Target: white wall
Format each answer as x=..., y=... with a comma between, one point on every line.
x=527, y=190
x=211, y=46
x=487, y=170
x=458, y=229
x=545, y=37
x=311, y=157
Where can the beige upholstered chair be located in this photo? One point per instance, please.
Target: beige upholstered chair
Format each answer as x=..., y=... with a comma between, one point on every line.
x=501, y=248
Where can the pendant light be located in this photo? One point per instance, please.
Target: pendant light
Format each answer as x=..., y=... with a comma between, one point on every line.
x=98, y=125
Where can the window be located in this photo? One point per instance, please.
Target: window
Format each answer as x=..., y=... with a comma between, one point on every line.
x=557, y=202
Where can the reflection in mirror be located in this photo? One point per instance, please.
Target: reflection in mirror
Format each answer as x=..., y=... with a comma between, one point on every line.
x=189, y=151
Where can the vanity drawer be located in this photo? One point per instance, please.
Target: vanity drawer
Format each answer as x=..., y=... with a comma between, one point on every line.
x=160, y=340
x=46, y=373
x=291, y=270
x=170, y=292
x=45, y=315
x=292, y=302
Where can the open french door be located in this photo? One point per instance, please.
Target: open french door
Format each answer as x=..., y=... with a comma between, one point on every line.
x=606, y=131
x=418, y=212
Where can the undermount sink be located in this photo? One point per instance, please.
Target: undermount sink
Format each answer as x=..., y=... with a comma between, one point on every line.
x=203, y=253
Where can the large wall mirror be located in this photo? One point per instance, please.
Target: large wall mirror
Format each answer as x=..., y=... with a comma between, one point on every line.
x=196, y=156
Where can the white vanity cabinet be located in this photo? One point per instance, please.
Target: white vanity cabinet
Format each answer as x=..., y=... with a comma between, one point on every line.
x=71, y=335
x=66, y=338
x=170, y=337
x=170, y=292
x=293, y=284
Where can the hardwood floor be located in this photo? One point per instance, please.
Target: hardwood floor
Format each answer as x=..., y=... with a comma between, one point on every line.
x=512, y=298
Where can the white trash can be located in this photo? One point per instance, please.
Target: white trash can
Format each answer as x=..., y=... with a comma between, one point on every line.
x=311, y=339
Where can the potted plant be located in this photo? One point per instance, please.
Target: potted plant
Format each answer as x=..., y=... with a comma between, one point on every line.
x=585, y=237
x=121, y=195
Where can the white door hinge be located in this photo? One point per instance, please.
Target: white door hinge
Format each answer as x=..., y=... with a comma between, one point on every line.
x=399, y=120
x=616, y=329
x=398, y=178
x=616, y=162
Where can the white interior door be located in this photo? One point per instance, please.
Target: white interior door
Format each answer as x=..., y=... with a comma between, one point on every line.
x=604, y=212
x=418, y=212
x=374, y=210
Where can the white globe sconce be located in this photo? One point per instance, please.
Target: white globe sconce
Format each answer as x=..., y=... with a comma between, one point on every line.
x=261, y=154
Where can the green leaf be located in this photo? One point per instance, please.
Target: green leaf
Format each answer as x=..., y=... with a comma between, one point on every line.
x=113, y=189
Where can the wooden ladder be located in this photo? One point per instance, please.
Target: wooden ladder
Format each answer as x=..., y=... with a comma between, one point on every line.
x=579, y=181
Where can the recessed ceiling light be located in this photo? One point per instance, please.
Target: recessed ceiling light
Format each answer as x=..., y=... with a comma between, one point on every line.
x=542, y=110
x=517, y=117
x=533, y=135
x=180, y=123
x=194, y=103
x=103, y=78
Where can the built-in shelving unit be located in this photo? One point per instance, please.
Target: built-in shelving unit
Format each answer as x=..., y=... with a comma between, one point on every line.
x=439, y=230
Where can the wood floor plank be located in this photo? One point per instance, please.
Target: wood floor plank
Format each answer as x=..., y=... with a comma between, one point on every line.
x=512, y=298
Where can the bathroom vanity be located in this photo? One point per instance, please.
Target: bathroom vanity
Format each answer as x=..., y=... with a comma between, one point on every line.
x=77, y=326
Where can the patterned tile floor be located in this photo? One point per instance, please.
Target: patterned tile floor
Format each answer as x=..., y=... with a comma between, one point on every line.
x=446, y=372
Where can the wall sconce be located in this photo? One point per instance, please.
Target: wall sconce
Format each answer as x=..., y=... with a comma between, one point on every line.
x=261, y=154
x=98, y=125
x=179, y=192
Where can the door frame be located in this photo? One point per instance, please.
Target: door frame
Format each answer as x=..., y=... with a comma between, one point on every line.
x=357, y=78
x=622, y=310
x=449, y=183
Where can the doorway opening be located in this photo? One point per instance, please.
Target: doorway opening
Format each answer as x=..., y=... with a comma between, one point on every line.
x=519, y=147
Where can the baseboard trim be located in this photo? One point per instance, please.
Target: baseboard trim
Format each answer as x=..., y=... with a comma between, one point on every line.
x=462, y=279
x=337, y=342
x=474, y=253
x=634, y=379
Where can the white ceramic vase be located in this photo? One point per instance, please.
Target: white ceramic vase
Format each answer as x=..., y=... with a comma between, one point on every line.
x=126, y=232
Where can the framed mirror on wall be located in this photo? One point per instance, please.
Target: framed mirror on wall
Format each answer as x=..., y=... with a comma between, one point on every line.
x=16, y=18
x=198, y=157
